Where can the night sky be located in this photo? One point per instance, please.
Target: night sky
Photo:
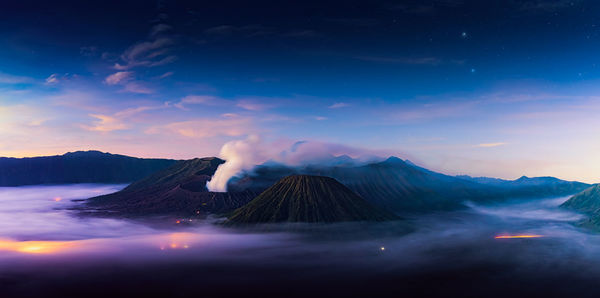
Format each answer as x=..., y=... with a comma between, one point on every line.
x=496, y=88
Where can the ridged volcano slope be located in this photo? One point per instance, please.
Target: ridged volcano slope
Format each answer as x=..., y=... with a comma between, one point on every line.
x=179, y=189
x=304, y=198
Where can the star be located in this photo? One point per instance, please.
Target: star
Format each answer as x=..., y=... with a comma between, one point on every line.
x=464, y=34
x=472, y=70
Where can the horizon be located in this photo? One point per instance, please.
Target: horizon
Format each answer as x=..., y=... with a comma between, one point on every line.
x=495, y=89
x=381, y=159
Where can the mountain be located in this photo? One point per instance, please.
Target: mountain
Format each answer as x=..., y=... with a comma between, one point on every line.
x=179, y=189
x=304, y=198
x=536, y=186
x=392, y=184
x=401, y=186
x=77, y=167
x=588, y=202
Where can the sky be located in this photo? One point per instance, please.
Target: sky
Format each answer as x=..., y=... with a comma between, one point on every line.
x=484, y=88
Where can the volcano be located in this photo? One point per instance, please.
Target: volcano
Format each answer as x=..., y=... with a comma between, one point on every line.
x=305, y=198
x=587, y=201
x=179, y=189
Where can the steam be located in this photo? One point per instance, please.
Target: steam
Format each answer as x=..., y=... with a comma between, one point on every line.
x=243, y=155
x=239, y=155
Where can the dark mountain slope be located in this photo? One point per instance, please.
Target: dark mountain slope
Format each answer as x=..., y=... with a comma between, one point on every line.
x=532, y=187
x=179, y=189
x=77, y=167
x=391, y=184
x=303, y=198
x=588, y=202
x=400, y=186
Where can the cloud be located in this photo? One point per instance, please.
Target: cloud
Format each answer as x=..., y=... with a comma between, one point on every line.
x=200, y=99
x=147, y=54
x=250, y=104
x=160, y=29
x=119, y=77
x=12, y=79
x=117, y=121
x=125, y=78
x=52, y=79
x=253, y=105
x=490, y=145
x=166, y=75
x=206, y=127
x=136, y=87
x=339, y=105
x=243, y=155
x=105, y=123
x=56, y=78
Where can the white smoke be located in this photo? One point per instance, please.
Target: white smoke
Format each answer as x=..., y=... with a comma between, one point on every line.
x=244, y=155
x=239, y=155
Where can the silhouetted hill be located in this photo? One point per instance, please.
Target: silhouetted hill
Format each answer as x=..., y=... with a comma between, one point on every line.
x=588, y=202
x=77, y=167
x=530, y=187
x=399, y=186
x=179, y=189
x=303, y=198
x=393, y=185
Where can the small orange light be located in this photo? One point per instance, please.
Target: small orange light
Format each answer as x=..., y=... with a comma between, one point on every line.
x=178, y=222
x=57, y=199
x=518, y=236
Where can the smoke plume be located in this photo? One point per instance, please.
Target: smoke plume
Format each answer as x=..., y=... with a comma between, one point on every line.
x=243, y=155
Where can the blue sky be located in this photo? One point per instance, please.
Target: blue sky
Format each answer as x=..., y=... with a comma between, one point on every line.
x=497, y=88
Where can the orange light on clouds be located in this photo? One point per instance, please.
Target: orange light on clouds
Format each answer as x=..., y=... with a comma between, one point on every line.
x=521, y=236
x=57, y=199
x=36, y=247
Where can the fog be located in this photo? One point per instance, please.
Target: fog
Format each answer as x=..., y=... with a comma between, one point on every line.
x=48, y=248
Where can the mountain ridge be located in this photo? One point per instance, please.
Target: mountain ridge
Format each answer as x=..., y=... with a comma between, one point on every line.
x=77, y=167
x=308, y=198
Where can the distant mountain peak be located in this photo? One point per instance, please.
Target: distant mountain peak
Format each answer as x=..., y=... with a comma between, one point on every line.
x=394, y=159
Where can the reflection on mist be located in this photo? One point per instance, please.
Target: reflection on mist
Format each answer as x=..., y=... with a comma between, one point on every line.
x=35, y=224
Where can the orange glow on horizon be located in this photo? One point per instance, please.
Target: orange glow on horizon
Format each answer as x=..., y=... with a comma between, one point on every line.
x=518, y=236
x=36, y=247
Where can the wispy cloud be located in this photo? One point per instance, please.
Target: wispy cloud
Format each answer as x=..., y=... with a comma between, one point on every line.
x=207, y=127
x=105, y=123
x=119, y=77
x=166, y=75
x=117, y=121
x=160, y=29
x=254, y=105
x=339, y=105
x=13, y=79
x=52, y=79
x=136, y=87
x=126, y=79
x=490, y=145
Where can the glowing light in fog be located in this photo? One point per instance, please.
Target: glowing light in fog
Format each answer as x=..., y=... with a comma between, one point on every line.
x=518, y=236
x=36, y=247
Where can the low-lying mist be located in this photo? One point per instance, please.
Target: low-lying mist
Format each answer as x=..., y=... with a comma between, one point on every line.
x=47, y=248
